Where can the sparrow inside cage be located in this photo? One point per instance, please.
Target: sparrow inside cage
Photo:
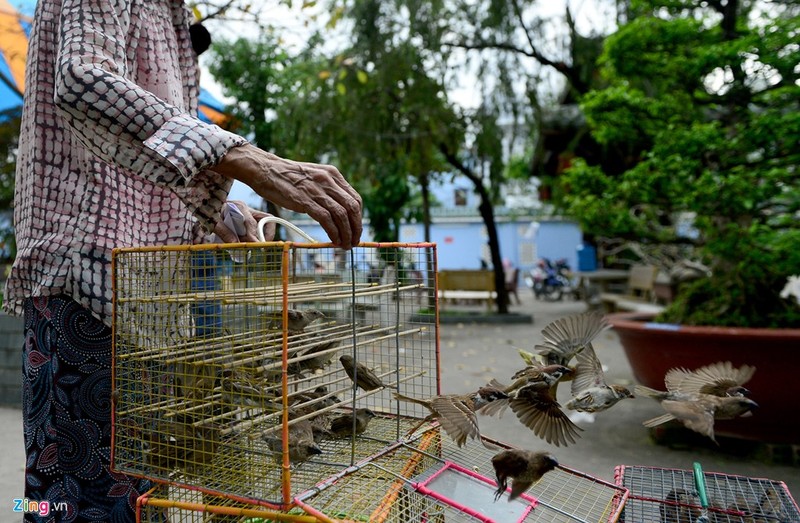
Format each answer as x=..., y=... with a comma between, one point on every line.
x=255, y=371
x=672, y=496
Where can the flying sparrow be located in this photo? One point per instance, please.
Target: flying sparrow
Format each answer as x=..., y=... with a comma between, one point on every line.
x=523, y=467
x=361, y=375
x=537, y=409
x=590, y=392
x=697, y=411
x=566, y=337
x=718, y=379
x=342, y=426
x=549, y=375
x=456, y=412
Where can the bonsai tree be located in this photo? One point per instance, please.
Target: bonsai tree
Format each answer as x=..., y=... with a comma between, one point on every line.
x=702, y=106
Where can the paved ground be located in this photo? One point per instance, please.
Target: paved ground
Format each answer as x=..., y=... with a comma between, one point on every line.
x=474, y=353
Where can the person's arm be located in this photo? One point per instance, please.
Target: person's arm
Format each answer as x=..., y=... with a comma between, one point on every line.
x=127, y=125
x=315, y=189
x=119, y=121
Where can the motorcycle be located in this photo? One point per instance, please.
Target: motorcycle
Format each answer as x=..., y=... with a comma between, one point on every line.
x=550, y=280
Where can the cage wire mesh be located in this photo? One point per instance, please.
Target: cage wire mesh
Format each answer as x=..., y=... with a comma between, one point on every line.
x=220, y=352
x=395, y=486
x=670, y=496
x=226, y=396
x=387, y=489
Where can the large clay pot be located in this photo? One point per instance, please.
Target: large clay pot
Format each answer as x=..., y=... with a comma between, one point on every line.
x=654, y=348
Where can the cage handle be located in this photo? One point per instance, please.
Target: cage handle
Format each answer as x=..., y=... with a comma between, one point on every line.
x=289, y=225
x=700, y=483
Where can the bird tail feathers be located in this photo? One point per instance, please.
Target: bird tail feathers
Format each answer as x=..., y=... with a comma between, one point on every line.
x=403, y=397
x=658, y=420
x=647, y=391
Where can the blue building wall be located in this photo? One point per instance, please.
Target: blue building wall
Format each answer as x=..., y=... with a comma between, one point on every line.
x=461, y=244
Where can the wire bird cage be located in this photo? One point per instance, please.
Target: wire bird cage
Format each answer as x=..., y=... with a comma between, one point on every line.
x=670, y=496
x=425, y=479
x=212, y=368
x=226, y=397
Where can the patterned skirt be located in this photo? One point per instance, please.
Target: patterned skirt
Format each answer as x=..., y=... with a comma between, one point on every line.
x=67, y=418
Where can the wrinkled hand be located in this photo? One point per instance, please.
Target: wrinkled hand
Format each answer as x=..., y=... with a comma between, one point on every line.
x=251, y=219
x=315, y=189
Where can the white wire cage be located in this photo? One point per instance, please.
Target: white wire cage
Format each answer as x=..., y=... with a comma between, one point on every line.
x=670, y=495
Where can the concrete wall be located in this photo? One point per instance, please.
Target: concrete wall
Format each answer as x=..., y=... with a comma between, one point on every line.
x=11, y=338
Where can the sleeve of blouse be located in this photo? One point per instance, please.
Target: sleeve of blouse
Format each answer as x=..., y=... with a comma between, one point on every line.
x=124, y=124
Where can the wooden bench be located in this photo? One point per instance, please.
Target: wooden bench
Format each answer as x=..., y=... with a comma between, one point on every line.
x=637, y=294
x=466, y=284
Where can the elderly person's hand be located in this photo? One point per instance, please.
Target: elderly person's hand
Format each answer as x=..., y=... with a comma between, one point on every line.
x=239, y=223
x=315, y=189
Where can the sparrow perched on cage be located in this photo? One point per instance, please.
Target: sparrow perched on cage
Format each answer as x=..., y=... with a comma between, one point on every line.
x=566, y=337
x=718, y=379
x=361, y=375
x=298, y=319
x=456, y=412
x=697, y=411
x=309, y=401
x=237, y=389
x=314, y=402
x=679, y=506
x=590, y=392
x=301, y=442
x=342, y=426
x=313, y=359
x=178, y=443
x=522, y=467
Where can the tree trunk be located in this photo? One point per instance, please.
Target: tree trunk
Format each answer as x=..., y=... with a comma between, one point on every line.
x=424, y=181
x=487, y=213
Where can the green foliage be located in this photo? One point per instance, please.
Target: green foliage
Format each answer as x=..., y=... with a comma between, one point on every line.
x=9, y=139
x=707, y=121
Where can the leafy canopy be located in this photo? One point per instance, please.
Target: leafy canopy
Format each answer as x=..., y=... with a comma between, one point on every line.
x=703, y=105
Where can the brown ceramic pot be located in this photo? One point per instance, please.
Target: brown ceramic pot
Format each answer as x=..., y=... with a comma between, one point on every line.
x=654, y=348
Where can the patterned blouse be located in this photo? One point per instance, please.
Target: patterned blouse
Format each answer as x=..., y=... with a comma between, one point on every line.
x=110, y=154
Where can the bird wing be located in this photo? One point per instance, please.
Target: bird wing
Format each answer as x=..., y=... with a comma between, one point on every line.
x=342, y=424
x=588, y=371
x=498, y=406
x=697, y=415
x=658, y=420
x=510, y=462
x=567, y=336
x=495, y=408
x=367, y=379
x=537, y=410
x=456, y=418
x=714, y=379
